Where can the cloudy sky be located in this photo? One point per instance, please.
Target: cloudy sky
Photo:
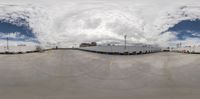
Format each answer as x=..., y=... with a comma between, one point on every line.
x=69, y=22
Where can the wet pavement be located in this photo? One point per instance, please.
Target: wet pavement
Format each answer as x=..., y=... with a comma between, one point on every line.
x=72, y=74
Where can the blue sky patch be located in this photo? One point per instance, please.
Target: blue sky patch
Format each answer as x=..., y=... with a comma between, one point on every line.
x=186, y=29
x=16, y=33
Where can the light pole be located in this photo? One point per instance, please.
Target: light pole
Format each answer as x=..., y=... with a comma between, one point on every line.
x=7, y=44
x=125, y=36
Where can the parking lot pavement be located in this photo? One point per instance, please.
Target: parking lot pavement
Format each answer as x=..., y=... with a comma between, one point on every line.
x=75, y=74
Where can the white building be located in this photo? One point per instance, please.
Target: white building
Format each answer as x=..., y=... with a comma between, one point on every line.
x=122, y=49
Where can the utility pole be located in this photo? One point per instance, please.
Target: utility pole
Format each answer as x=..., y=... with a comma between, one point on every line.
x=125, y=36
x=7, y=44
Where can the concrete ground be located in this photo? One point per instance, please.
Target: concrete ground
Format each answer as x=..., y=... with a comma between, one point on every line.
x=68, y=74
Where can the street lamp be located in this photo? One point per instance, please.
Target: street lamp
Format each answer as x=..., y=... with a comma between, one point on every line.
x=125, y=36
x=7, y=39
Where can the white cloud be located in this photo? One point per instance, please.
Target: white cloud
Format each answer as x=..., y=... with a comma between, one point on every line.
x=75, y=21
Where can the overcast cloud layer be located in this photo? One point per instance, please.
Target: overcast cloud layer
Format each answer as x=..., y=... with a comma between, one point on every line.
x=69, y=22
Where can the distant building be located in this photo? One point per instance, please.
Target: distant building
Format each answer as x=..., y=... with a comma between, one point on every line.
x=93, y=44
x=88, y=44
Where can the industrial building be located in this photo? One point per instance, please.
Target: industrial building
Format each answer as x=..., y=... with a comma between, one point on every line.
x=187, y=49
x=21, y=48
x=123, y=49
